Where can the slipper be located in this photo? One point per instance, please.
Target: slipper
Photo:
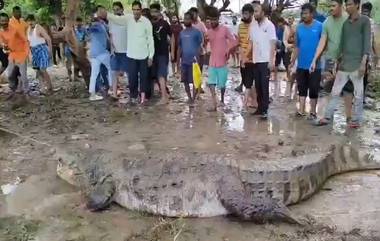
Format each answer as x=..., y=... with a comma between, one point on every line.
x=321, y=122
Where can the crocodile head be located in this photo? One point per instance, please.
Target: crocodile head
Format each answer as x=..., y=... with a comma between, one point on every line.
x=68, y=169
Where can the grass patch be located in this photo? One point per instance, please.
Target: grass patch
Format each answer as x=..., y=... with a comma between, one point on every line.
x=18, y=229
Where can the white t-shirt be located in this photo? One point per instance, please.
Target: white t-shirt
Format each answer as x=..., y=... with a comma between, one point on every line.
x=262, y=35
x=119, y=37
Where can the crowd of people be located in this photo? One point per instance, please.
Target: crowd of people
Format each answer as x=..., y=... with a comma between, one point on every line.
x=324, y=57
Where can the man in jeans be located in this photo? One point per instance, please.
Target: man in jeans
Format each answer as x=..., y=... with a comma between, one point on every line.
x=355, y=48
x=329, y=47
x=263, y=37
x=99, y=54
x=140, y=50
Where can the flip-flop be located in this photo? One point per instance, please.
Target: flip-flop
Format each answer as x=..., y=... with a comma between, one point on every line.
x=321, y=122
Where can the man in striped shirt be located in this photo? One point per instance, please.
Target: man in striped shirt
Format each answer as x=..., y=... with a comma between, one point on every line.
x=246, y=63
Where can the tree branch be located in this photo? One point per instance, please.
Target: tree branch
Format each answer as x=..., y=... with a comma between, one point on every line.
x=212, y=3
x=226, y=3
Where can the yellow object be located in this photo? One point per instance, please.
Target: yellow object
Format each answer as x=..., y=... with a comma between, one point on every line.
x=197, y=76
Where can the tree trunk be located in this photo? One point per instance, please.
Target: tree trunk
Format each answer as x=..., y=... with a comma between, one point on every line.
x=67, y=35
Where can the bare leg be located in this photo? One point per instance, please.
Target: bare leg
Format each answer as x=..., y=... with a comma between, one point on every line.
x=188, y=92
x=213, y=96
x=302, y=104
x=254, y=97
x=173, y=69
x=143, y=98
x=115, y=76
x=223, y=91
x=348, y=98
x=164, y=93
x=247, y=96
x=313, y=106
x=69, y=64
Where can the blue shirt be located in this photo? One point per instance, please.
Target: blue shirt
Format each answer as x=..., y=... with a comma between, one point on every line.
x=190, y=41
x=99, y=40
x=280, y=33
x=319, y=17
x=81, y=34
x=307, y=43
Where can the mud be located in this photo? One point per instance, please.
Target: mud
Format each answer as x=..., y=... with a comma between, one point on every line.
x=347, y=208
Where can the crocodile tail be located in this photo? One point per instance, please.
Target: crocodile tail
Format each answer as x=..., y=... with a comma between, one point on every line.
x=282, y=213
x=355, y=158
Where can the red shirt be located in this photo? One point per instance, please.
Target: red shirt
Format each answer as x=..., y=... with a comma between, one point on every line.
x=221, y=41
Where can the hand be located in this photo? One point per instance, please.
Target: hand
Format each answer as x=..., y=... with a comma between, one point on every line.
x=312, y=67
x=362, y=70
x=150, y=62
x=271, y=66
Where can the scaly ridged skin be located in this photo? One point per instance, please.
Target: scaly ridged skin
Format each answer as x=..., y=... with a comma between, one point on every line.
x=200, y=185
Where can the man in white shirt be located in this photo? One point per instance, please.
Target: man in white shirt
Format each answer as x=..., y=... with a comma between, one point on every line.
x=140, y=48
x=119, y=60
x=263, y=37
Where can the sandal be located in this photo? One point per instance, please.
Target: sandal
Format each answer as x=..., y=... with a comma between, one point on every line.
x=300, y=115
x=322, y=122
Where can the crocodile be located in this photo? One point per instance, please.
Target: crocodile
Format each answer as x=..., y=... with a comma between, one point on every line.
x=178, y=184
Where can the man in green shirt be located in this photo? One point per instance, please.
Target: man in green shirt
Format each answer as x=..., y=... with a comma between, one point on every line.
x=328, y=52
x=354, y=50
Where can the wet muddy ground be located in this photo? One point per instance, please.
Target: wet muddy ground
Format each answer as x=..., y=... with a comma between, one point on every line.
x=46, y=208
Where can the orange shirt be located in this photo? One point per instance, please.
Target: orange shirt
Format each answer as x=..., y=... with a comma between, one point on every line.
x=15, y=38
x=19, y=25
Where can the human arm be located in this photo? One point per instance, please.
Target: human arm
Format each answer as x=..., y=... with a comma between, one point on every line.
x=172, y=47
x=286, y=38
x=295, y=51
x=116, y=19
x=321, y=47
x=232, y=41
x=150, y=41
x=367, y=46
x=42, y=32
x=273, y=40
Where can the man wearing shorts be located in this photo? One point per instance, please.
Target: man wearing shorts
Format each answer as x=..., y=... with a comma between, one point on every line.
x=308, y=35
x=118, y=34
x=221, y=42
x=190, y=44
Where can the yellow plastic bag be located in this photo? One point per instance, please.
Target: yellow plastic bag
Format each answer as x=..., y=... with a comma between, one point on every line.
x=197, y=76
